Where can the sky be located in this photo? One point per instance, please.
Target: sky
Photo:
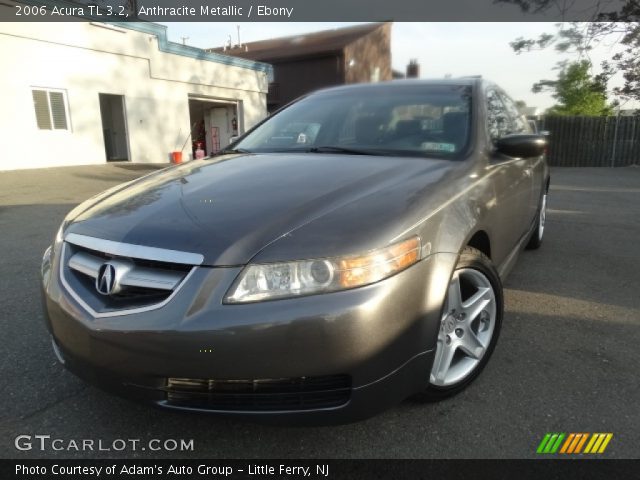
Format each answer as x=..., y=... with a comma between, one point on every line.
x=440, y=48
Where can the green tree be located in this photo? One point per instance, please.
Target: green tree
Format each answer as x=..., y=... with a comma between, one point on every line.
x=577, y=91
x=611, y=23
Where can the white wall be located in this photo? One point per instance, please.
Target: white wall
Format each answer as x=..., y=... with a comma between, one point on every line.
x=85, y=60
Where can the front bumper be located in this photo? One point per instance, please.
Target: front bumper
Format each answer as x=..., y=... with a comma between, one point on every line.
x=382, y=337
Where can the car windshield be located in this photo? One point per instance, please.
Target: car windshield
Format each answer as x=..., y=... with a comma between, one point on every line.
x=406, y=120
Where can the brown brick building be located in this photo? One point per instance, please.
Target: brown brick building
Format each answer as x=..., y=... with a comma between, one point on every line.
x=307, y=62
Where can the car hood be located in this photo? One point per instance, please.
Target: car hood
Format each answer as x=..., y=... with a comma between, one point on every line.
x=230, y=208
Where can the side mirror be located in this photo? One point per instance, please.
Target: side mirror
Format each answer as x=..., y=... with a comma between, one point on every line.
x=522, y=145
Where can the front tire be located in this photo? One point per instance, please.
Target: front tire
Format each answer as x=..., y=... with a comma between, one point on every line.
x=470, y=324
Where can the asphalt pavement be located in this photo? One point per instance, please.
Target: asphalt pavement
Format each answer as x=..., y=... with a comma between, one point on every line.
x=567, y=359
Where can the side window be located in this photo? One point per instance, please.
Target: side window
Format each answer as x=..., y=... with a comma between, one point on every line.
x=518, y=123
x=498, y=121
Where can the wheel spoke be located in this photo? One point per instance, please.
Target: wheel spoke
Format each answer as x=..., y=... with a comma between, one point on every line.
x=454, y=297
x=471, y=345
x=442, y=362
x=478, y=302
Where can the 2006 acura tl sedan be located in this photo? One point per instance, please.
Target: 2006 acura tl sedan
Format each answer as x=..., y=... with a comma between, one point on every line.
x=342, y=255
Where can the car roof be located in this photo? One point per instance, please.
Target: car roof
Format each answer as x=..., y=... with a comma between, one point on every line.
x=464, y=81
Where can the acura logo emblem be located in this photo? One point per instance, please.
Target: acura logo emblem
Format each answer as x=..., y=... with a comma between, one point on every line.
x=106, y=280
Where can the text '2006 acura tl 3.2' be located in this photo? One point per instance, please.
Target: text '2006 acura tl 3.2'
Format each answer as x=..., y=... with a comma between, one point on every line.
x=341, y=256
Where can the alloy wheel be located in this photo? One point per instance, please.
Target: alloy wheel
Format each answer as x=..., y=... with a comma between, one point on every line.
x=542, y=217
x=466, y=328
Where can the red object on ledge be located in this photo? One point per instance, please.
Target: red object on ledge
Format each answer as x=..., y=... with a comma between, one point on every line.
x=176, y=157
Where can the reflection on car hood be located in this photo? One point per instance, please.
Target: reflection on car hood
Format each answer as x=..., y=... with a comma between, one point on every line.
x=232, y=207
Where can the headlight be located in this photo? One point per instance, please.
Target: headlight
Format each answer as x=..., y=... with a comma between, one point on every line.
x=306, y=277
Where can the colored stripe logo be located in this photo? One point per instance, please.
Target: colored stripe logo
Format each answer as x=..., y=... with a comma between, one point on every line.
x=573, y=443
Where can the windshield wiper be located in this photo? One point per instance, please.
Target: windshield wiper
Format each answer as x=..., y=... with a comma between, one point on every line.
x=347, y=150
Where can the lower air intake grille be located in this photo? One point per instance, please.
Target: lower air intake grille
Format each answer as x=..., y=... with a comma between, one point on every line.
x=303, y=393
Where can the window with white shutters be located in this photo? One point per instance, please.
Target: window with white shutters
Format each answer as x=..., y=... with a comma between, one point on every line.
x=51, y=109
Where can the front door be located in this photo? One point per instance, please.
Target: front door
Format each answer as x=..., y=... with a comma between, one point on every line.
x=114, y=127
x=512, y=181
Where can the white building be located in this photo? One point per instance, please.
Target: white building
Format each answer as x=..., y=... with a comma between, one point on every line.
x=86, y=93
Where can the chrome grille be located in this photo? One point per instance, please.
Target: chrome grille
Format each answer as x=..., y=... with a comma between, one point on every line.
x=133, y=283
x=133, y=274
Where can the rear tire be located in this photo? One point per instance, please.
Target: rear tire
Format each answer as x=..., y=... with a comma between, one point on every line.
x=536, y=237
x=469, y=327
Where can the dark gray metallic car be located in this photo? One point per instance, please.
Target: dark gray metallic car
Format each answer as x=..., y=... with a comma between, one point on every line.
x=341, y=256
